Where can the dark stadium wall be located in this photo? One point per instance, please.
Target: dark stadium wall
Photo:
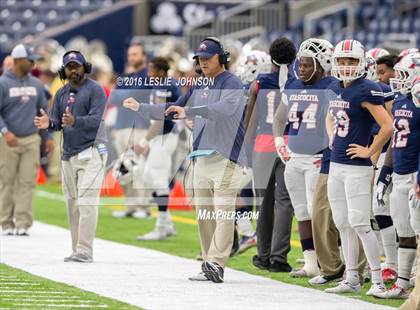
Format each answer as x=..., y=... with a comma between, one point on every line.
x=115, y=29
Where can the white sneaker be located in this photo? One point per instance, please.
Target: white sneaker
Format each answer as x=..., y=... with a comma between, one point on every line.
x=170, y=230
x=141, y=214
x=159, y=233
x=376, y=289
x=344, y=287
x=22, y=232
x=7, y=232
x=120, y=214
x=395, y=292
x=302, y=273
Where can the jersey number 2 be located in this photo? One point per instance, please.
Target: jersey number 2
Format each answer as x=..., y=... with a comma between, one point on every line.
x=401, y=132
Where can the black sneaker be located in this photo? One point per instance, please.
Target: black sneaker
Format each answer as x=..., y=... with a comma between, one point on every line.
x=260, y=263
x=213, y=272
x=279, y=267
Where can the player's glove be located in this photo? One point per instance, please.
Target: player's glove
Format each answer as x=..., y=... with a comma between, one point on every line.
x=282, y=149
x=384, y=179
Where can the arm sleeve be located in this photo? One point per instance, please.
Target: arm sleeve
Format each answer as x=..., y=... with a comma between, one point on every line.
x=55, y=114
x=3, y=126
x=232, y=99
x=157, y=111
x=97, y=107
x=373, y=94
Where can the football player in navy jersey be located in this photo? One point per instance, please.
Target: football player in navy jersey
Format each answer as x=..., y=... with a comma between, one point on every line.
x=275, y=210
x=405, y=149
x=380, y=202
x=158, y=146
x=307, y=106
x=358, y=103
x=249, y=66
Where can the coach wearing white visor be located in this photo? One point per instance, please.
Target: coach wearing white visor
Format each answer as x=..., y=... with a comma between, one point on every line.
x=21, y=98
x=217, y=111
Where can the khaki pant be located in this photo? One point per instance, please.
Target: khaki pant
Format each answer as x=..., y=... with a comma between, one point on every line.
x=326, y=235
x=18, y=171
x=137, y=197
x=413, y=301
x=216, y=183
x=81, y=182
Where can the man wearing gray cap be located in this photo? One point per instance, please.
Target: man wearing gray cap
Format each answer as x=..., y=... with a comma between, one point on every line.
x=22, y=96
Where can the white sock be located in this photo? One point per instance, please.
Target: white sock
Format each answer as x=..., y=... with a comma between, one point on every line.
x=389, y=242
x=406, y=259
x=377, y=277
x=311, y=262
x=352, y=276
x=370, y=246
x=162, y=218
x=350, y=247
x=245, y=227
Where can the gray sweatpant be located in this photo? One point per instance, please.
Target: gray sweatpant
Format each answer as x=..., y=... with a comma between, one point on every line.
x=274, y=222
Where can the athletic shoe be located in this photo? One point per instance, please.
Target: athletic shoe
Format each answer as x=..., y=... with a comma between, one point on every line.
x=376, y=289
x=395, y=292
x=121, y=214
x=7, y=232
x=159, y=233
x=302, y=273
x=140, y=214
x=321, y=279
x=260, y=263
x=279, y=267
x=69, y=258
x=213, y=271
x=389, y=275
x=22, y=232
x=246, y=243
x=81, y=258
x=199, y=277
x=170, y=230
x=344, y=287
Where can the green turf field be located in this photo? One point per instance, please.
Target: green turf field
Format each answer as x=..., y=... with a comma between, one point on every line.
x=185, y=244
x=21, y=290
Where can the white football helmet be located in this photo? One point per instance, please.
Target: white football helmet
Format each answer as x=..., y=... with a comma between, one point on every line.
x=252, y=64
x=406, y=71
x=371, y=68
x=319, y=49
x=349, y=49
x=415, y=91
x=124, y=167
x=407, y=51
x=377, y=52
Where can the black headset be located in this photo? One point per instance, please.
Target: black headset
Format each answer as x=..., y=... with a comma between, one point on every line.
x=87, y=66
x=224, y=55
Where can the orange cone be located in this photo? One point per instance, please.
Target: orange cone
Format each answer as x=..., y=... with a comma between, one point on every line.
x=111, y=187
x=178, y=199
x=41, y=178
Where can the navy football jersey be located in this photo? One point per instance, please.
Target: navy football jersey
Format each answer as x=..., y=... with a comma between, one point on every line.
x=163, y=94
x=353, y=123
x=268, y=100
x=307, y=109
x=406, y=138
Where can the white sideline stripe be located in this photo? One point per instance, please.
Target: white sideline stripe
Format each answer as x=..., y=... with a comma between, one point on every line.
x=32, y=292
x=24, y=299
x=49, y=195
x=155, y=280
x=14, y=284
x=40, y=297
x=62, y=306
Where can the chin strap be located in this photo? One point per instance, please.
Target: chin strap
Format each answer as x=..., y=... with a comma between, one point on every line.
x=283, y=74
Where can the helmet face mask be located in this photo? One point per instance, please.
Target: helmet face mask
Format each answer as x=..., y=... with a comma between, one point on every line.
x=406, y=72
x=371, y=69
x=318, y=49
x=349, y=61
x=252, y=64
